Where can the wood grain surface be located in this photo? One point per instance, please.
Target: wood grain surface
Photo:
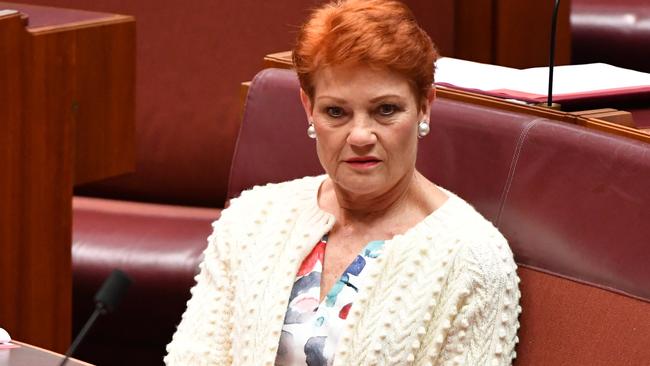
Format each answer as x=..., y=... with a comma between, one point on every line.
x=65, y=110
x=510, y=33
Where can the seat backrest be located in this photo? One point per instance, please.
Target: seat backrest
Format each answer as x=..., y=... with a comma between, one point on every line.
x=272, y=146
x=471, y=158
x=577, y=203
x=614, y=32
x=576, y=213
x=470, y=153
x=572, y=203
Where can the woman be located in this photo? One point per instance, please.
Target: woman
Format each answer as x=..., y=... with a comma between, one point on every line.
x=370, y=263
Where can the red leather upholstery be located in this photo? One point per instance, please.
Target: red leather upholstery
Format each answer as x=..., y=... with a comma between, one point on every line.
x=571, y=201
x=470, y=150
x=272, y=145
x=617, y=33
x=576, y=204
x=159, y=246
x=614, y=32
x=565, y=196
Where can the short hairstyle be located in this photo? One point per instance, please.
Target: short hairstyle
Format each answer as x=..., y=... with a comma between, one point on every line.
x=377, y=33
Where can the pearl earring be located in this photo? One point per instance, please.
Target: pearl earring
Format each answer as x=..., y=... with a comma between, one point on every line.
x=423, y=129
x=311, y=130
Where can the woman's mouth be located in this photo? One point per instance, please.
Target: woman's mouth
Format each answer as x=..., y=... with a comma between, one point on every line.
x=363, y=162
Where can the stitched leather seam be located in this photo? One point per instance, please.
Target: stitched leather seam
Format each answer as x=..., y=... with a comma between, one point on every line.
x=513, y=166
x=597, y=285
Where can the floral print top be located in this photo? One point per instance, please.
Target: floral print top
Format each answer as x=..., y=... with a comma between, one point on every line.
x=312, y=328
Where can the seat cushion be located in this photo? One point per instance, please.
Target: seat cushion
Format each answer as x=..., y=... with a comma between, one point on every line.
x=568, y=323
x=159, y=246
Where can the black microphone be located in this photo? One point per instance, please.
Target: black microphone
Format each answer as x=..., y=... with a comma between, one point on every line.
x=551, y=64
x=106, y=300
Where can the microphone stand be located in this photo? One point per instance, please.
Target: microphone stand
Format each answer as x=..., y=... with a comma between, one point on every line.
x=549, y=102
x=106, y=300
x=99, y=310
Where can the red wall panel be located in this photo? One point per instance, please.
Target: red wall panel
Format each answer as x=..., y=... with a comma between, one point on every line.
x=191, y=57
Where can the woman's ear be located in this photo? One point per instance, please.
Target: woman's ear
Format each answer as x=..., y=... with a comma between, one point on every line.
x=306, y=104
x=426, y=107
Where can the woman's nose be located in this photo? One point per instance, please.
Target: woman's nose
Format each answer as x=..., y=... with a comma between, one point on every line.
x=361, y=132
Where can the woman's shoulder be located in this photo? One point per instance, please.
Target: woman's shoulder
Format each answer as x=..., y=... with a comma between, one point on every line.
x=478, y=244
x=273, y=195
x=262, y=209
x=459, y=217
x=480, y=278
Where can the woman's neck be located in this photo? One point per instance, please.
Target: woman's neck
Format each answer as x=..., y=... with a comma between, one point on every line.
x=369, y=207
x=410, y=199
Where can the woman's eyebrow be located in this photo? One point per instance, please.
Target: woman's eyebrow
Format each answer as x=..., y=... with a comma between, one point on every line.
x=385, y=96
x=373, y=100
x=329, y=97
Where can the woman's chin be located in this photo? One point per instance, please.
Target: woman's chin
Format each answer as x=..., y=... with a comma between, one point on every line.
x=362, y=186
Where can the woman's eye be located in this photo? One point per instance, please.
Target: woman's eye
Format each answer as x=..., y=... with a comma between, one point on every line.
x=387, y=109
x=334, y=112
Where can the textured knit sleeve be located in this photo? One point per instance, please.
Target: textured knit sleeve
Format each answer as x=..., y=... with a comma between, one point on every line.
x=479, y=326
x=202, y=337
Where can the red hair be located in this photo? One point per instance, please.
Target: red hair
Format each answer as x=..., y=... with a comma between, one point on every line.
x=377, y=33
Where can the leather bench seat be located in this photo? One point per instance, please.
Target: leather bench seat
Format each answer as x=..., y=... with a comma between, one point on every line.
x=577, y=204
x=572, y=202
x=617, y=33
x=575, y=211
x=160, y=247
x=614, y=32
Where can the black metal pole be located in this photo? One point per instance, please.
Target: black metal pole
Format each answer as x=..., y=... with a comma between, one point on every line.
x=552, y=56
x=99, y=310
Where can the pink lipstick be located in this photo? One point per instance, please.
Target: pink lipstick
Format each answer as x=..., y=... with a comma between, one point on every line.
x=363, y=162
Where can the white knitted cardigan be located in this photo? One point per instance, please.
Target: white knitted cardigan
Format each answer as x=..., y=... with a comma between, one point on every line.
x=443, y=293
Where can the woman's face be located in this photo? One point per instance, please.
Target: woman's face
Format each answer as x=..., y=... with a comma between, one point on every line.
x=366, y=127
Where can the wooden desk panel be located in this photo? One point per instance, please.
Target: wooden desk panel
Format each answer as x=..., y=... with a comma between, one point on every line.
x=105, y=61
x=53, y=123
x=103, y=78
x=28, y=355
x=511, y=33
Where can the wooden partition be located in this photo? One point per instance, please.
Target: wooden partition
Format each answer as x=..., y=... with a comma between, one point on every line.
x=511, y=33
x=66, y=117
